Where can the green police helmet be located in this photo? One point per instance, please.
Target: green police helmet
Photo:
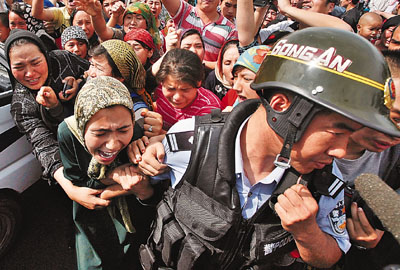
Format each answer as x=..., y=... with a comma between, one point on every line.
x=335, y=69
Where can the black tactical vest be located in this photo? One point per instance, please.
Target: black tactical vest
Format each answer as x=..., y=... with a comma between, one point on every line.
x=199, y=224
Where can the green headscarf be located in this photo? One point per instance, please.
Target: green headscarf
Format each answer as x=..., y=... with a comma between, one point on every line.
x=144, y=10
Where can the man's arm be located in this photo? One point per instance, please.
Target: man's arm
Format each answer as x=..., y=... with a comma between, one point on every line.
x=245, y=22
x=40, y=13
x=172, y=6
x=297, y=210
x=309, y=18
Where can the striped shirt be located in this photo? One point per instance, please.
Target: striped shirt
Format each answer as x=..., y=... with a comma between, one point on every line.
x=214, y=34
x=203, y=104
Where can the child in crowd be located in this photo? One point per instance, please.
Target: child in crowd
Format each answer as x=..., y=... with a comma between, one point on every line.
x=74, y=40
x=369, y=26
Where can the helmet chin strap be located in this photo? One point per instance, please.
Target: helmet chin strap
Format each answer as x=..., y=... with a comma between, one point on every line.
x=290, y=125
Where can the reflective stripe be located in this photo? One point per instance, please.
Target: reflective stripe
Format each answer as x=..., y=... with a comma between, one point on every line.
x=347, y=74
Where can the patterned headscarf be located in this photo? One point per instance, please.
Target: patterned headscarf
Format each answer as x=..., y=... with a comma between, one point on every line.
x=73, y=32
x=252, y=58
x=144, y=10
x=129, y=66
x=97, y=94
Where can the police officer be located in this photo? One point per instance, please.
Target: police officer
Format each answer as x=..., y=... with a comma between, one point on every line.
x=255, y=189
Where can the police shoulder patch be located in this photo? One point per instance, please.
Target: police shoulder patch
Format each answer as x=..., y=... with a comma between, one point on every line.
x=337, y=218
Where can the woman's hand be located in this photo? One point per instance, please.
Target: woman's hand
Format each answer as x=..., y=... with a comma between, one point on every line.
x=136, y=149
x=70, y=93
x=152, y=123
x=149, y=154
x=47, y=97
x=152, y=159
x=86, y=197
x=131, y=180
x=126, y=175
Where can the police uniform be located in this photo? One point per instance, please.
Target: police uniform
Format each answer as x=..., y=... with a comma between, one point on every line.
x=330, y=218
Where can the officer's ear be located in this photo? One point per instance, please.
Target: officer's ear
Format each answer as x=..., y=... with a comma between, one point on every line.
x=280, y=102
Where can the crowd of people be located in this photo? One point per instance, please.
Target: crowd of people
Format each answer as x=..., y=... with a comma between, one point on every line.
x=215, y=134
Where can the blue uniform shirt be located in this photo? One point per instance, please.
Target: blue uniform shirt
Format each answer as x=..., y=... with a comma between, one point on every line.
x=331, y=217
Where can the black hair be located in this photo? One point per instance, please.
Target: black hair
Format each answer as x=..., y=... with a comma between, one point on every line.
x=4, y=18
x=72, y=16
x=392, y=57
x=273, y=7
x=100, y=50
x=192, y=32
x=182, y=64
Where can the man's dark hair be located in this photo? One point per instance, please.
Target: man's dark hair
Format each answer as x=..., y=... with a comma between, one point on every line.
x=336, y=2
x=192, y=32
x=4, y=19
x=392, y=57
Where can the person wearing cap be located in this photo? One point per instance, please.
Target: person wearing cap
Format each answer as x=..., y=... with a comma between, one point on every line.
x=93, y=145
x=386, y=32
x=74, y=40
x=234, y=202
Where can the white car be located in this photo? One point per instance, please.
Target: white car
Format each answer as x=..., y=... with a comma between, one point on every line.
x=19, y=169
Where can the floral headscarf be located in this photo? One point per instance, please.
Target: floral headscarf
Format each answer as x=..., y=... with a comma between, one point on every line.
x=144, y=10
x=252, y=58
